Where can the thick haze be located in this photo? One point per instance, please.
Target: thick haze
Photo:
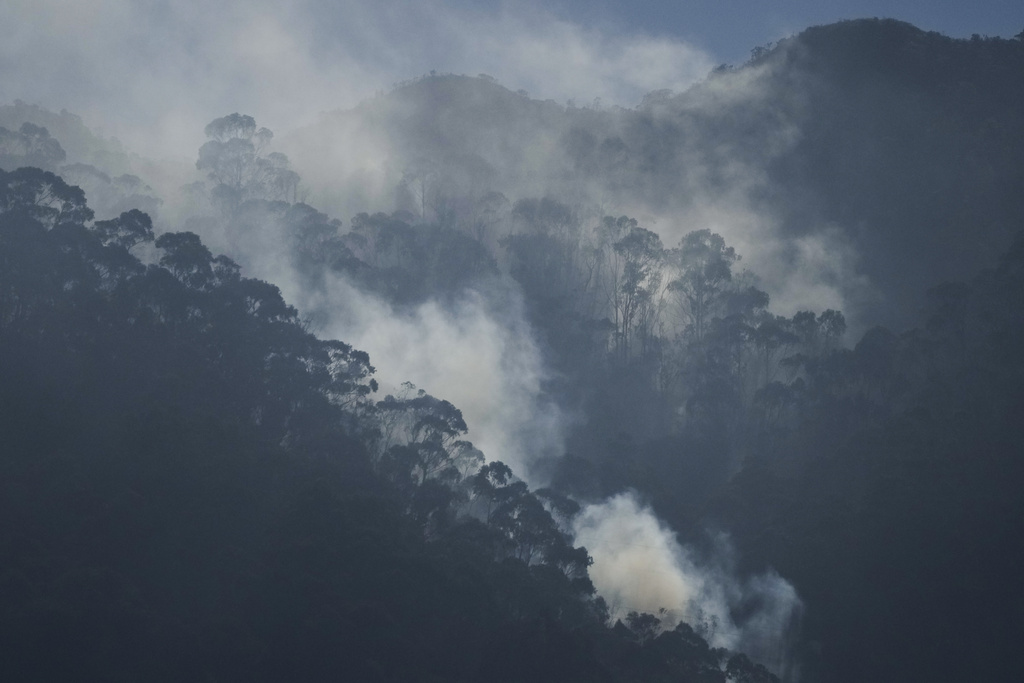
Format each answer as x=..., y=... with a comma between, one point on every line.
x=153, y=74
x=730, y=28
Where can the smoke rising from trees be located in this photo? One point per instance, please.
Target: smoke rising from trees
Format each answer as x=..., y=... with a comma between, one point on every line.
x=481, y=358
x=610, y=300
x=640, y=566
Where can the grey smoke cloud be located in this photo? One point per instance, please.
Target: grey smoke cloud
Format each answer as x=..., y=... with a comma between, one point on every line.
x=153, y=74
x=721, y=187
x=815, y=272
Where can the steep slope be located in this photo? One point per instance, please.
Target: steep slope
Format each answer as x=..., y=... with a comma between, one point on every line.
x=192, y=485
x=911, y=142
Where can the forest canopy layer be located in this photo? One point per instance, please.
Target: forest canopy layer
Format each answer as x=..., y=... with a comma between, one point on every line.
x=459, y=385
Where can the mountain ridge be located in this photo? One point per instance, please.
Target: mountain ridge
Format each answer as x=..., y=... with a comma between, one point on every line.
x=884, y=131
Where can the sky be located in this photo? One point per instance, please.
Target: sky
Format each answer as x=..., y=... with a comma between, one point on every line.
x=153, y=73
x=728, y=29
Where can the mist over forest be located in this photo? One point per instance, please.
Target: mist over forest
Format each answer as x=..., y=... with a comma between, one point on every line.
x=456, y=383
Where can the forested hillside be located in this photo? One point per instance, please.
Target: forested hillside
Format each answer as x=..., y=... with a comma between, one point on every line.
x=895, y=150
x=194, y=486
x=459, y=385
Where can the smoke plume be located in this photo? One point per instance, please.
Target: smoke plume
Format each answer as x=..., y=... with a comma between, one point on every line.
x=639, y=565
x=479, y=356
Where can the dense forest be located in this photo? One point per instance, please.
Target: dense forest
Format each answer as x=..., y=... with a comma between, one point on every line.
x=459, y=385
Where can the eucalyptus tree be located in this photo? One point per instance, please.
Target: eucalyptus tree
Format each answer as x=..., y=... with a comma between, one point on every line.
x=633, y=265
x=704, y=263
x=239, y=165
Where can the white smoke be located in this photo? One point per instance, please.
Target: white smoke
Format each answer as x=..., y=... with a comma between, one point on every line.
x=483, y=361
x=488, y=365
x=639, y=565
